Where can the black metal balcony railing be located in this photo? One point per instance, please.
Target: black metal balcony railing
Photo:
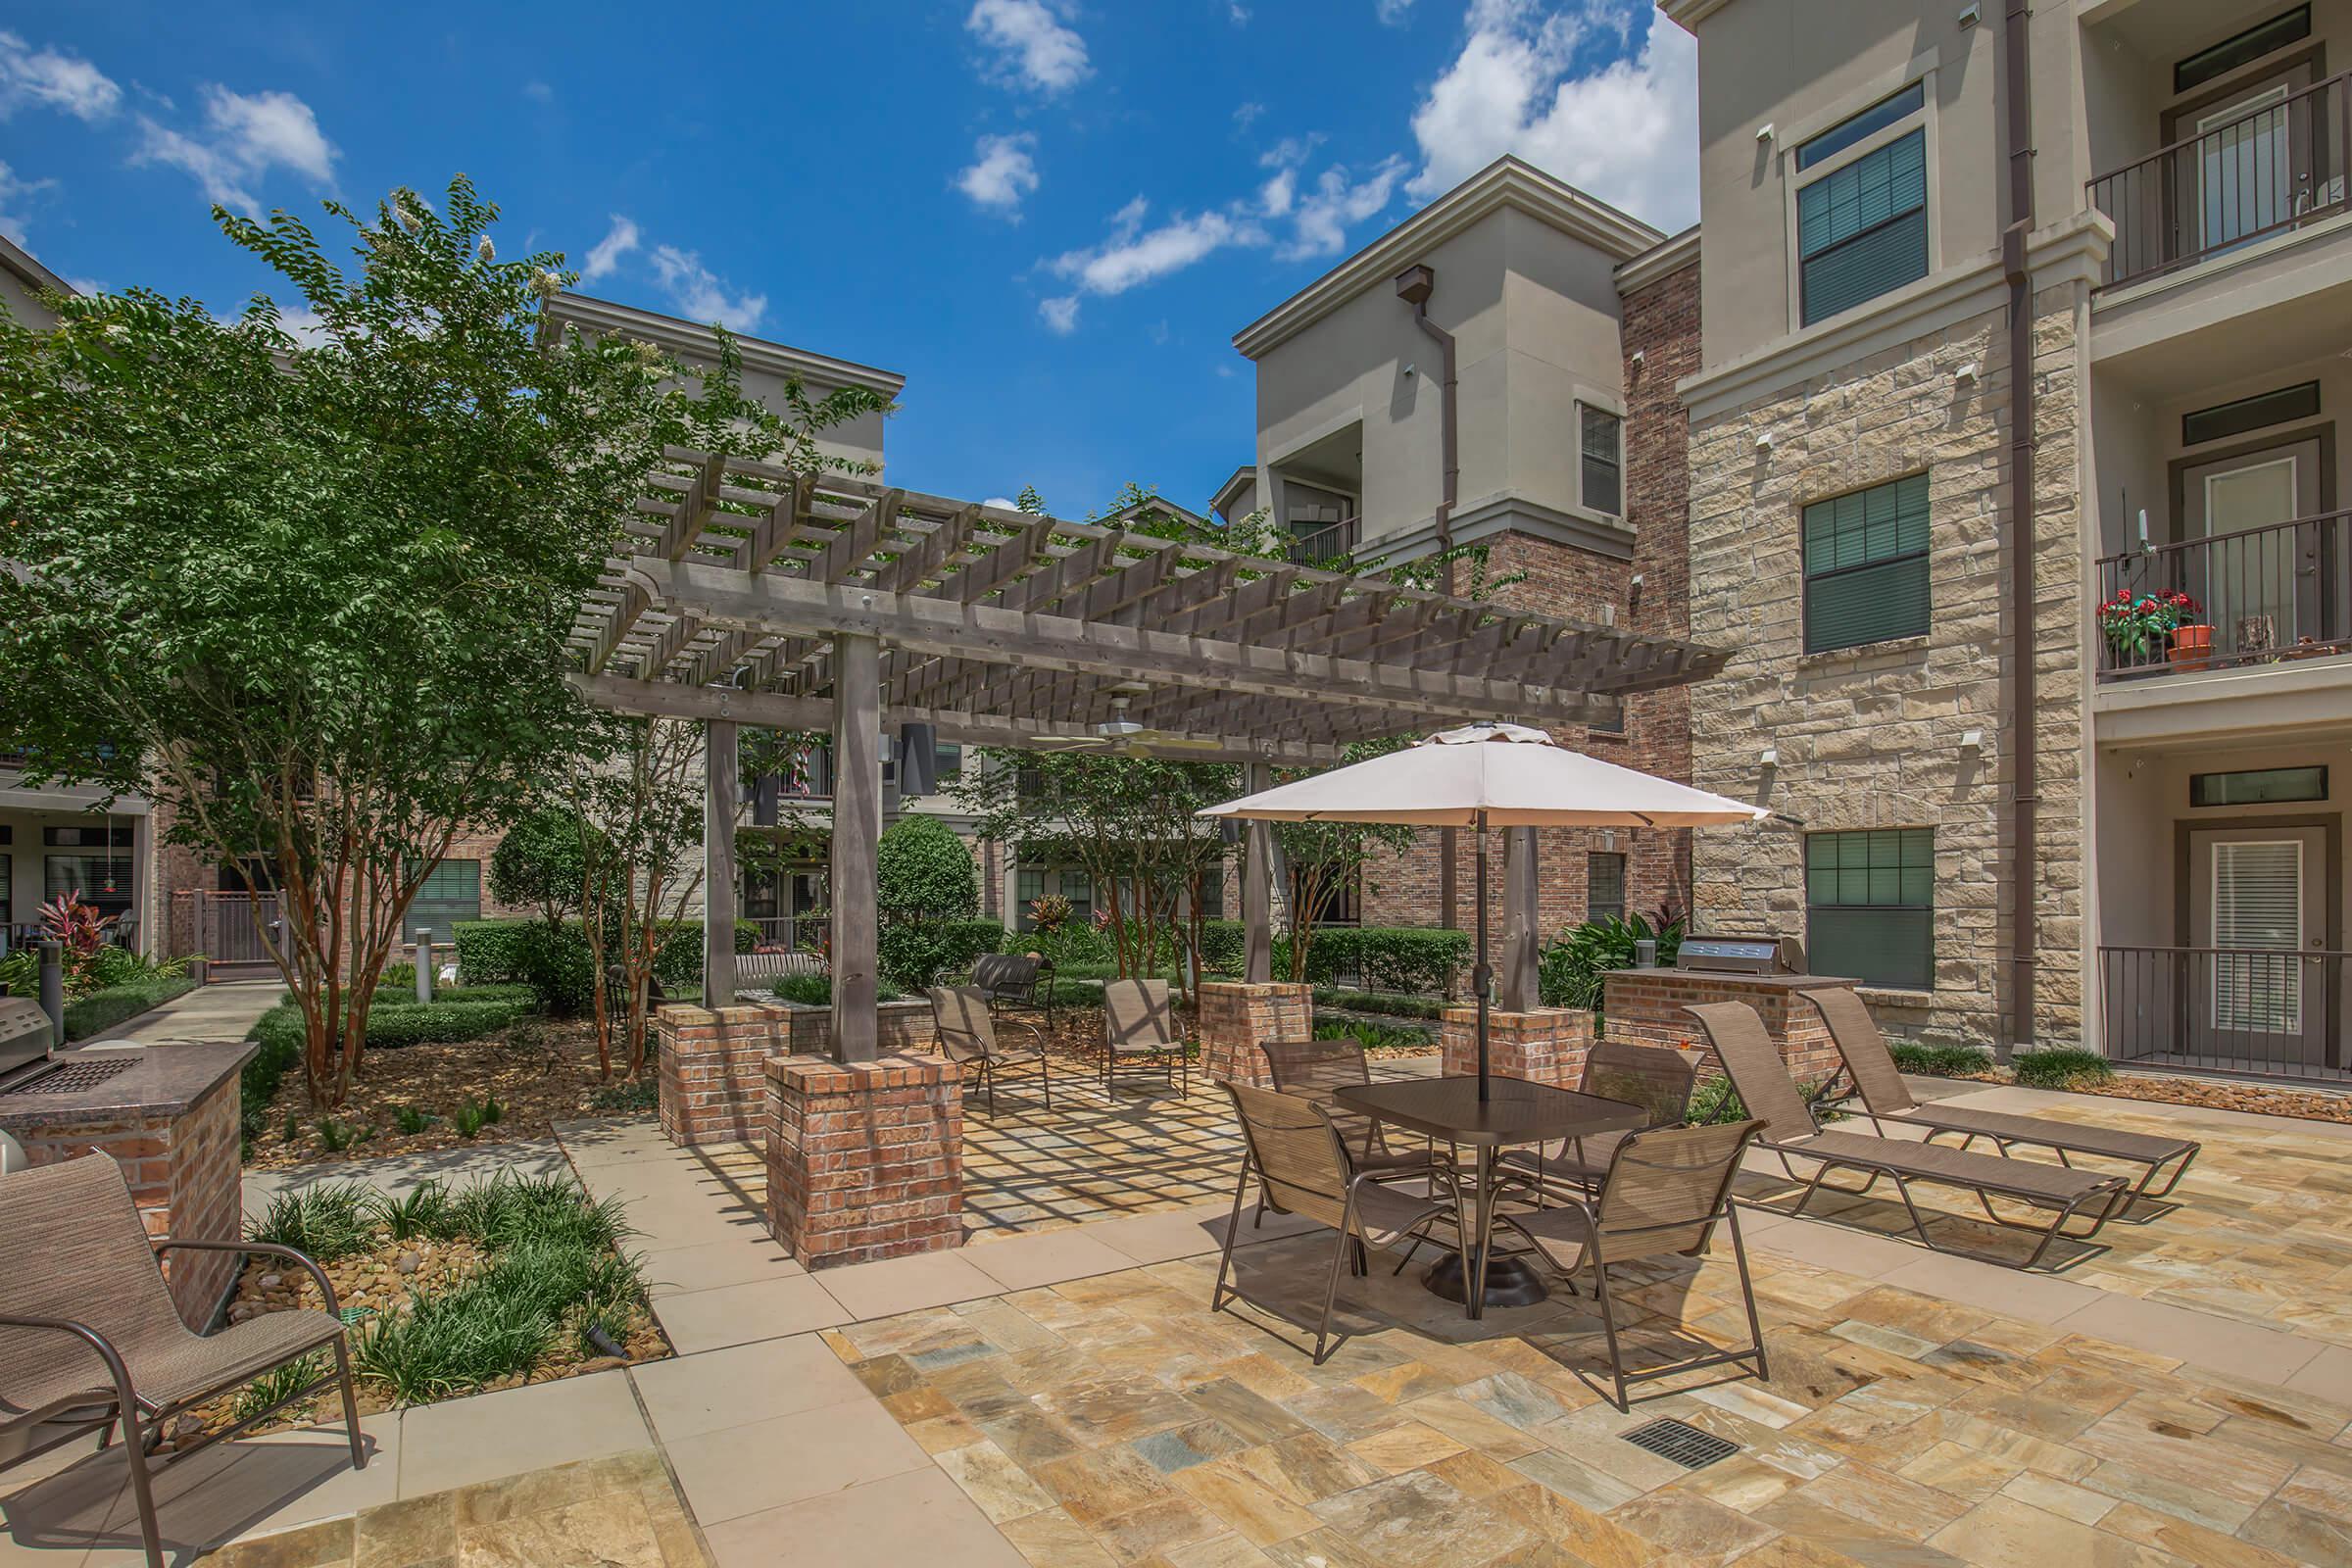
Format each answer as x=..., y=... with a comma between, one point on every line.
x=2272, y=168
x=2275, y=593
x=1312, y=543
x=2273, y=1012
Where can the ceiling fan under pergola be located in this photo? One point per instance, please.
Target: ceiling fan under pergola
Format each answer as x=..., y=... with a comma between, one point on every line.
x=1121, y=735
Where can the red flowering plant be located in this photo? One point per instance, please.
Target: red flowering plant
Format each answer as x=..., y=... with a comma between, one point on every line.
x=2138, y=624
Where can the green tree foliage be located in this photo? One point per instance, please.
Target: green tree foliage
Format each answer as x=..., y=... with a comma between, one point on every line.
x=312, y=596
x=922, y=869
x=539, y=862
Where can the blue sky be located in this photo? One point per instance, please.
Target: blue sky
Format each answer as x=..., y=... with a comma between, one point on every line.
x=1050, y=214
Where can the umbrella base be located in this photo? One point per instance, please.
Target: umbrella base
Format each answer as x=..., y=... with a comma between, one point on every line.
x=1509, y=1281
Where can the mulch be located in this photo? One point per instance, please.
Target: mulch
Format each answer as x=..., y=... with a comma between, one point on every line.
x=540, y=1073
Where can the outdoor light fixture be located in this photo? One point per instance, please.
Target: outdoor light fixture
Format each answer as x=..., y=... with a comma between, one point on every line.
x=1764, y=442
x=1770, y=756
x=1641, y=358
x=1764, y=131
x=1968, y=15
x=1966, y=372
x=1972, y=740
x=1408, y=370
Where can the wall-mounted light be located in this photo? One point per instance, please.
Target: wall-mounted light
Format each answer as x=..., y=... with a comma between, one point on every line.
x=1769, y=757
x=1764, y=131
x=1764, y=442
x=1968, y=14
x=1641, y=358
x=1408, y=370
x=1972, y=740
x=1967, y=373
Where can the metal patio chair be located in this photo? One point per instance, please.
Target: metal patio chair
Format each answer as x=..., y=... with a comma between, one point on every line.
x=1138, y=1025
x=1664, y=1192
x=1655, y=1078
x=89, y=1337
x=1311, y=1070
x=967, y=1034
x=1292, y=1149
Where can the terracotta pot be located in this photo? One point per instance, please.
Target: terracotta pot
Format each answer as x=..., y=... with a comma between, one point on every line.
x=2193, y=647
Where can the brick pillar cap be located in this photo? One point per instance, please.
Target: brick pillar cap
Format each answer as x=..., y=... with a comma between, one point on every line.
x=822, y=1075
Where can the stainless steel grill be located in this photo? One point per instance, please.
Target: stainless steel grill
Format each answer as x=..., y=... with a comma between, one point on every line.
x=72, y=1077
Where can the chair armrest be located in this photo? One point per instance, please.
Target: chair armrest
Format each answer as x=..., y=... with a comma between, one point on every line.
x=260, y=1250
x=124, y=1395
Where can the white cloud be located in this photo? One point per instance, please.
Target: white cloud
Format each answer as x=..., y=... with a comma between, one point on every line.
x=1032, y=47
x=12, y=192
x=1007, y=502
x=53, y=81
x=701, y=295
x=1002, y=172
x=1275, y=195
x=1319, y=225
x=304, y=325
x=1134, y=255
x=246, y=136
x=618, y=241
x=1245, y=115
x=1289, y=151
x=1393, y=13
x=1626, y=132
x=1060, y=314
x=1238, y=13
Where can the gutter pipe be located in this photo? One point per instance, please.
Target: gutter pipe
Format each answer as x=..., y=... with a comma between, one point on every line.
x=1414, y=285
x=2017, y=135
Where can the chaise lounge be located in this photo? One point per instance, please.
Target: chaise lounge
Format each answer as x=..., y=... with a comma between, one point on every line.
x=1887, y=1097
x=1753, y=1064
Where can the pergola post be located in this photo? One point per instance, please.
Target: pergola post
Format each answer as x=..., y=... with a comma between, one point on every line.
x=1522, y=934
x=1257, y=877
x=721, y=789
x=856, y=829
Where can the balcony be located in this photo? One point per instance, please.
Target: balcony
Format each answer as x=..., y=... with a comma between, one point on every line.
x=2260, y=596
x=2271, y=1012
x=1324, y=544
x=2279, y=167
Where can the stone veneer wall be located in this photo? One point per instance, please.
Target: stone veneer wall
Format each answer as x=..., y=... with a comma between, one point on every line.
x=865, y=1159
x=1871, y=737
x=184, y=1177
x=1661, y=323
x=713, y=1070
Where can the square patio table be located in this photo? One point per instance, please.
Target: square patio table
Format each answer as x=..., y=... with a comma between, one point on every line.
x=1515, y=1111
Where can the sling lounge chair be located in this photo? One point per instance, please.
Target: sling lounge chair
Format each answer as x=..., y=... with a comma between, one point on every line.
x=1292, y=1149
x=1753, y=1064
x=1658, y=1080
x=1138, y=1025
x=89, y=1336
x=1887, y=1097
x=967, y=1034
x=1664, y=1191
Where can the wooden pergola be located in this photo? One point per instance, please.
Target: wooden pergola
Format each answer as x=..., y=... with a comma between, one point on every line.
x=759, y=596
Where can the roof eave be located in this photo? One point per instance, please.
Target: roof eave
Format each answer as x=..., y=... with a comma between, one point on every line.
x=692, y=339
x=21, y=262
x=1688, y=13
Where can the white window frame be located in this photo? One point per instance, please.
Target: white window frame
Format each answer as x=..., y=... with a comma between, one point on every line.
x=1615, y=412
x=1793, y=179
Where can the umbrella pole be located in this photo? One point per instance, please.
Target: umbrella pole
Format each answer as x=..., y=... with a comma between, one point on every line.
x=1482, y=975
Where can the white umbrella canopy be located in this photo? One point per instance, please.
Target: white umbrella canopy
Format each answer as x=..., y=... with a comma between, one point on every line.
x=1495, y=775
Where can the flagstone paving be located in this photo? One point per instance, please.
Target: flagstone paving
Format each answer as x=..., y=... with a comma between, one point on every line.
x=1115, y=1420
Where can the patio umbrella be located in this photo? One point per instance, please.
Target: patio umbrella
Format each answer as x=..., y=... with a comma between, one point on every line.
x=1490, y=775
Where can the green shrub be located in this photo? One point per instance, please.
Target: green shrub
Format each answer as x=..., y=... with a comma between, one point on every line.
x=2060, y=1067
x=816, y=991
x=922, y=869
x=277, y=1035
x=1930, y=1060
x=554, y=961
x=472, y=1115
x=1572, y=967
x=1374, y=1036
x=1417, y=960
x=915, y=953
x=410, y=1119
x=328, y=1221
x=439, y=1024
x=1384, y=1002
x=1717, y=1102
x=540, y=862
x=642, y=1094
x=101, y=1010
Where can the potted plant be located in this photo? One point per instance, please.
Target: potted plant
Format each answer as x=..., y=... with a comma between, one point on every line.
x=2191, y=638
x=2142, y=627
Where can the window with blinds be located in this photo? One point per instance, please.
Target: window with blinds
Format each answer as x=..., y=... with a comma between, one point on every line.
x=1862, y=228
x=452, y=892
x=101, y=881
x=1866, y=565
x=2258, y=906
x=1605, y=885
x=1603, y=451
x=1870, y=905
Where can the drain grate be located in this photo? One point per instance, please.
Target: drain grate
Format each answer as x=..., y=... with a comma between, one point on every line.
x=73, y=1077
x=1680, y=1441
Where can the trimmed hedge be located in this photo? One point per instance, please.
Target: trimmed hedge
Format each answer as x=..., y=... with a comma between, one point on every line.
x=101, y=1010
x=1419, y=960
x=554, y=961
x=2060, y=1067
x=1941, y=1060
x=395, y=1024
x=405, y=997
x=1381, y=1002
x=816, y=990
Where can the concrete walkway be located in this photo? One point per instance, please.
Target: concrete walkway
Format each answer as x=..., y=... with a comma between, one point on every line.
x=224, y=1012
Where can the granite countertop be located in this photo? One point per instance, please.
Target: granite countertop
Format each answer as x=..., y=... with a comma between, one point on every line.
x=1762, y=982
x=161, y=1081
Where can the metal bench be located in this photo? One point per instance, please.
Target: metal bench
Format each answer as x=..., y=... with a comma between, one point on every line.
x=756, y=973
x=1015, y=983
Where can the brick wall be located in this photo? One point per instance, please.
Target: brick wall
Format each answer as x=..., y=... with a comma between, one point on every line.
x=1646, y=1010
x=1235, y=1016
x=184, y=1177
x=1661, y=323
x=865, y=1159
x=712, y=1073
x=1546, y=1047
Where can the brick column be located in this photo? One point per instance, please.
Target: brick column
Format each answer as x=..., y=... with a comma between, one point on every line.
x=1644, y=1006
x=865, y=1159
x=1236, y=1015
x=1545, y=1046
x=714, y=1068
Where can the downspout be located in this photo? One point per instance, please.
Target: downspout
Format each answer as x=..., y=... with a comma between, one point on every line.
x=1414, y=285
x=2018, y=138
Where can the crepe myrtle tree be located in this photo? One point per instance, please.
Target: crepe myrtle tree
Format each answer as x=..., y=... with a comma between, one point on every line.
x=309, y=593
x=637, y=800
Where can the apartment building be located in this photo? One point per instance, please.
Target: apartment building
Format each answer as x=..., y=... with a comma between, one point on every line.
x=2019, y=819
x=1565, y=325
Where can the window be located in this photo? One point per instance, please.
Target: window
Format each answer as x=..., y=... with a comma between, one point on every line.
x=2259, y=412
x=1601, y=448
x=452, y=892
x=1862, y=228
x=100, y=880
x=1866, y=565
x=1870, y=905
x=950, y=756
x=1032, y=882
x=109, y=836
x=2258, y=787
x=2241, y=49
x=1605, y=885
x=1612, y=723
